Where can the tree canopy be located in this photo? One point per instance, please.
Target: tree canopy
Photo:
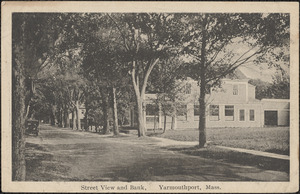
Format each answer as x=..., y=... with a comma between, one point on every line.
x=107, y=62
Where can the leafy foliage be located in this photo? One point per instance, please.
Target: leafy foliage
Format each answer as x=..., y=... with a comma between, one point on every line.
x=279, y=89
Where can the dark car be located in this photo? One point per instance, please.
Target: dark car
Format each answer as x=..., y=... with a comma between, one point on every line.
x=32, y=127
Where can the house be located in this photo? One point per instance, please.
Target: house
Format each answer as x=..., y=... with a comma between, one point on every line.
x=232, y=105
x=276, y=112
x=81, y=115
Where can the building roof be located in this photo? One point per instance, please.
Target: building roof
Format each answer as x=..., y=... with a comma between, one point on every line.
x=237, y=74
x=254, y=100
x=235, y=80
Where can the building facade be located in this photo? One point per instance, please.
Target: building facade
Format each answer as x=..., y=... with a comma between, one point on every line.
x=231, y=105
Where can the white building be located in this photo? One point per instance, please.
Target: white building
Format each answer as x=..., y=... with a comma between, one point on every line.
x=232, y=105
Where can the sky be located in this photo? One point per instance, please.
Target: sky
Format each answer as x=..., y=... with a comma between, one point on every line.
x=261, y=71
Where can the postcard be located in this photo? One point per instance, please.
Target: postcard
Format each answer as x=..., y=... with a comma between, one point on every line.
x=150, y=97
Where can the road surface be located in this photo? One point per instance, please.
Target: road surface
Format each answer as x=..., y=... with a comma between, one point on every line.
x=65, y=155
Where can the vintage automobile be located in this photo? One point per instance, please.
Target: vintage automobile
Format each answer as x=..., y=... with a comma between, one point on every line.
x=32, y=127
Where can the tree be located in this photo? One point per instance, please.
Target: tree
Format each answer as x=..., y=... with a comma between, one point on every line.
x=165, y=83
x=217, y=44
x=33, y=40
x=102, y=64
x=278, y=89
x=63, y=88
x=261, y=88
x=18, y=122
x=145, y=39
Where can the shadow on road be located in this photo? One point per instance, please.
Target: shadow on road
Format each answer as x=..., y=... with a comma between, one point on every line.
x=66, y=155
x=235, y=157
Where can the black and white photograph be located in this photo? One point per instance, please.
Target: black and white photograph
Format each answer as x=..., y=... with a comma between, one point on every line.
x=128, y=97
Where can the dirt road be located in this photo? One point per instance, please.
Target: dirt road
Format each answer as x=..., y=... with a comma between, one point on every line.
x=65, y=155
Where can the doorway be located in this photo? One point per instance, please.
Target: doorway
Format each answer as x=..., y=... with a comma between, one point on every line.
x=271, y=118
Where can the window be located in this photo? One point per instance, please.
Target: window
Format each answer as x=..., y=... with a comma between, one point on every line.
x=168, y=109
x=151, y=109
x=229, y=110
x=242, y=115
x=151, y=119
x=196, y=110
x=252, y=116
x=235, y=89
x=181, y=112
x=214, y=112
x=188, y=88
x=229, y=113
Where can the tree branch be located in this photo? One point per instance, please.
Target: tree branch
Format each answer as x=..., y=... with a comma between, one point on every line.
x=147, y=76
x=27, y=109
x=238, y=60
x=122, y=34
x=232, y=67
x=216, y=54
x=135, y=86
x=44, y=64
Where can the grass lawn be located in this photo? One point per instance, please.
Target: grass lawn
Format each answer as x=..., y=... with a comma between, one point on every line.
x=269, y=139
x=218, y=154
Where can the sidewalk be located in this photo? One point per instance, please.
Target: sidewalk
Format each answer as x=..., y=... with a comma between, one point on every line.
x=257, y=153
x=168, y=142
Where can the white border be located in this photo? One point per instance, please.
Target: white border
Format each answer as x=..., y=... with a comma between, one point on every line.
x=217, y=7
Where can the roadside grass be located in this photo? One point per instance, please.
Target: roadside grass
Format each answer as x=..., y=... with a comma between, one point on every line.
x=40, y=165
x=269, y=139
x=239, y=158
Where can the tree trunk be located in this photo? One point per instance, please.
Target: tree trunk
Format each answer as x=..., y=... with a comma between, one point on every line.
x=60, y=121
x=165, y=123
x=74, y=119
x=29, y=89
x=63, y=118
x=115, y=112
x=77, y=115
x=202, y=118
x=132, y=112
x=31, y=114
x=173, y=124
x=202, y=132
x=28, y=112
x=140, y=94
x=141, y=119
x=67, y=120
x=18, y=123
x=86, y=119
x=53, y=115
x=154, y=127
x=105, y=112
